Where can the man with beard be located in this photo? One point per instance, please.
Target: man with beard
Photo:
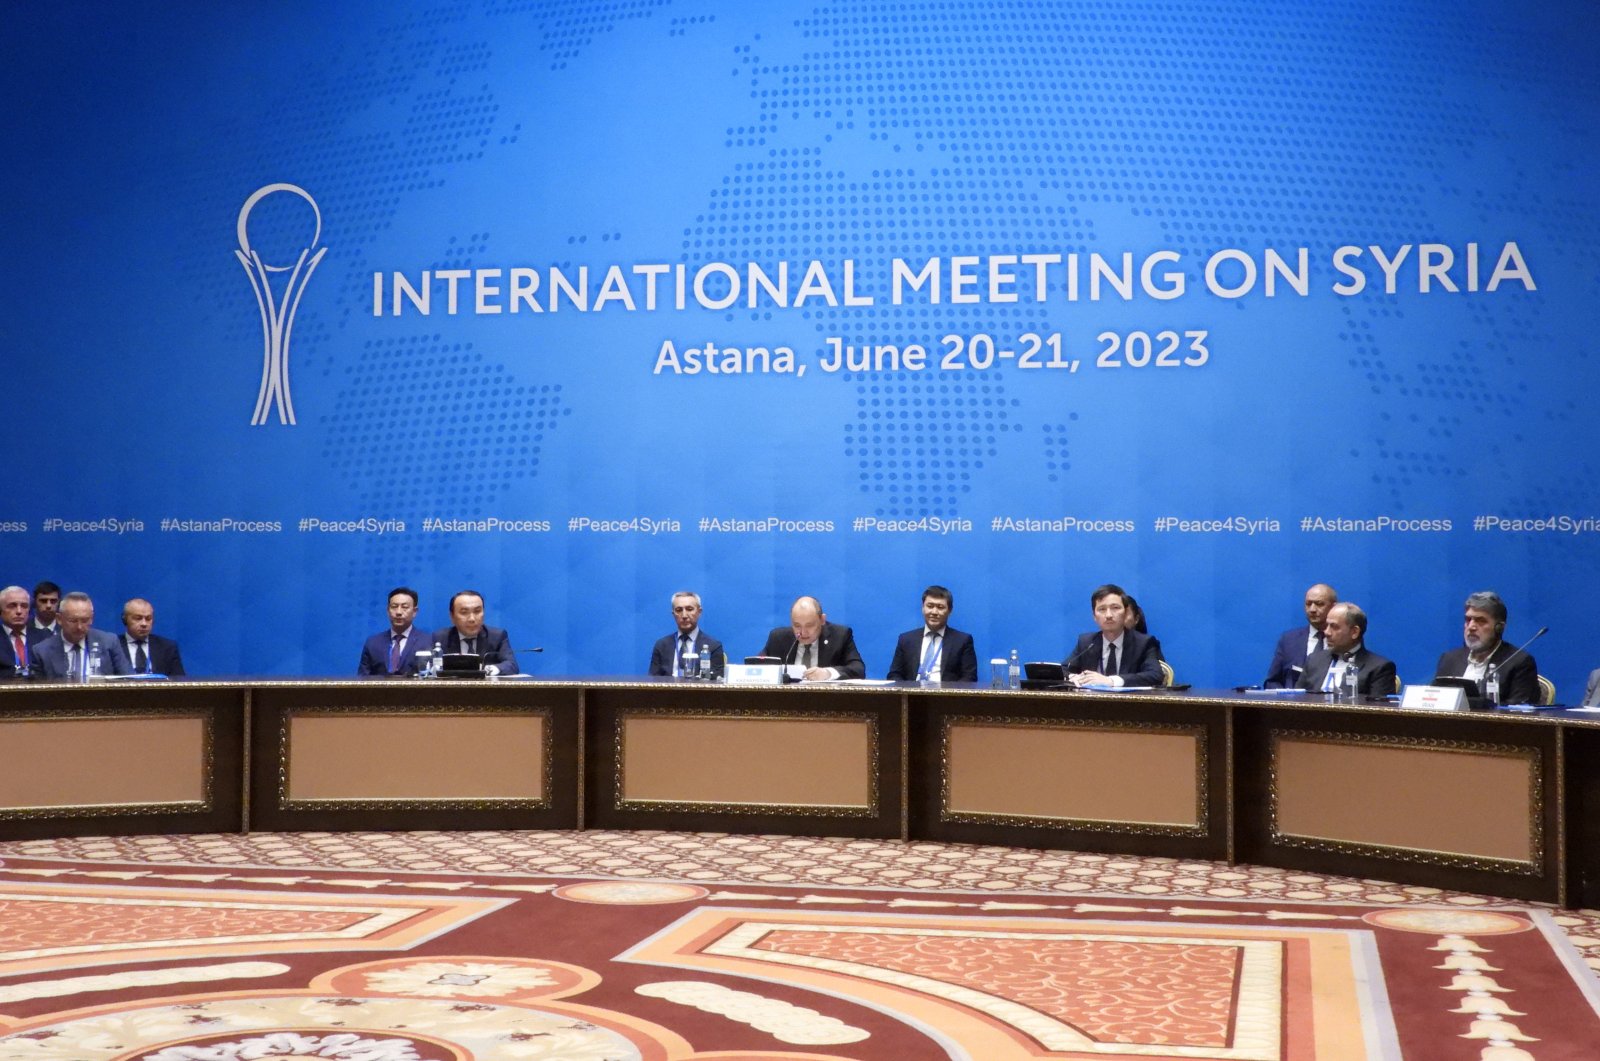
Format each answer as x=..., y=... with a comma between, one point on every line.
x=1483, y=626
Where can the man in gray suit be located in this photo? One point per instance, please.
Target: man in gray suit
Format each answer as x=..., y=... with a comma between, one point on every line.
x=70, y=653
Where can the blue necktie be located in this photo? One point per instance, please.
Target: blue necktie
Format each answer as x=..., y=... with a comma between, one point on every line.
x=930, y=652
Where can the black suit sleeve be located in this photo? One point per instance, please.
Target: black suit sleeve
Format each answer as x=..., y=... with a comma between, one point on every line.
x=1146, y=669
x=1278, y=673
x=967, y=662
x=898, y=668
x=1519, y=683
x=847, y=660
x=658, y=663
x=1378, y=682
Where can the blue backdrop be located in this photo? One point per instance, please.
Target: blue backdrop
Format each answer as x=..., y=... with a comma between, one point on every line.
x=1167, y=152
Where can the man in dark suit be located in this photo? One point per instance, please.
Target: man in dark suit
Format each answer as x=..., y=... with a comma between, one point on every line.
x=46, y=599
x=70, y=653
x=1484, y=626
x=820, y=650
x=394, y=651
x=17, y=634
x=148, y=653
x=1297, y=645
x=935, y=651
x=1113, y=655
x=1346, y=631
x=666, y=658
x=466, y=633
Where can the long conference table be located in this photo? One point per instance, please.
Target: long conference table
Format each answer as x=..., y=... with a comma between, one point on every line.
x=1499, y=802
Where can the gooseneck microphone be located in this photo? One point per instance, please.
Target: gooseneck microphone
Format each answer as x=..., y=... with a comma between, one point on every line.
x=1542, y=631
x=1072, y=659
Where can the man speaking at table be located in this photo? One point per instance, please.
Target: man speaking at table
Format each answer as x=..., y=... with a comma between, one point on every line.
x=467, y=634
x=823, y=651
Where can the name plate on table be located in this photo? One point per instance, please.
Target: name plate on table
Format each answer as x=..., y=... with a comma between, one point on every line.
x=754, y=673
x=1434, y=698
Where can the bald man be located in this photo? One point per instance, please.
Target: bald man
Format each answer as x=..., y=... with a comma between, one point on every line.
x=147, y=652
x=824, y=651
x=1297, y=645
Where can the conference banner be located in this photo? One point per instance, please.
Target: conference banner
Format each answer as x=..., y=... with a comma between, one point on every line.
x=579, y=304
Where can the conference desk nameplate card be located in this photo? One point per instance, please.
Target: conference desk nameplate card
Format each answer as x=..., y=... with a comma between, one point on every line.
x=1434, y=698
x=754, y=674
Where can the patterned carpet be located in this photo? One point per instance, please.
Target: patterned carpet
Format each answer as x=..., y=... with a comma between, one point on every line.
x=609, y=945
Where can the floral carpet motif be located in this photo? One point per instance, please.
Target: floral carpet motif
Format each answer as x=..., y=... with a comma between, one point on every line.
x=285, y=949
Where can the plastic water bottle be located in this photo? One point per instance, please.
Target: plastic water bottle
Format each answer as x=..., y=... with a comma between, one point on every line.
x=1014, y=672
x=94, y=667
x=691, y=661
x=1491, y=685
x=1347, y=683
x=437, y=662
x=705, y=662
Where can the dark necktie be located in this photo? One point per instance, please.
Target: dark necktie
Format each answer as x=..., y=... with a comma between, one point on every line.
x=75, y=662
x=141, y=658
x=394, y=652
x=805, y=658
x=1321, y=643
x=1111, y=659
x=683, y=650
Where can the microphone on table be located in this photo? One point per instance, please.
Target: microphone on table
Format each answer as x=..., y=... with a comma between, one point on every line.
x=1066, y=668
x=793, y=650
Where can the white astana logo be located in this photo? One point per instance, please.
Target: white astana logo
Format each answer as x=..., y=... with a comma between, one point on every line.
x=277, y=313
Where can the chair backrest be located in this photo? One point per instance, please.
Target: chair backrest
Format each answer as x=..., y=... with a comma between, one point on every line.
x=1166, y=672
x=1547, y=691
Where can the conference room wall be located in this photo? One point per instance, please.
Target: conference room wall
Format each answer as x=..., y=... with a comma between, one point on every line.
x=495, y=135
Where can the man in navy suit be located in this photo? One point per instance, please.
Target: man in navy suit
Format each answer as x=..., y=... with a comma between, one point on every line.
x=466, y=633
x=820, y=650
x=666, y=658
x=1114, y=655
x=68, y=654
x=147, y=652
x=394, y=651
x=1346, y=631
x=1295, y=646
x=17, y=635
x=935, y=651
x=1483, y=627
